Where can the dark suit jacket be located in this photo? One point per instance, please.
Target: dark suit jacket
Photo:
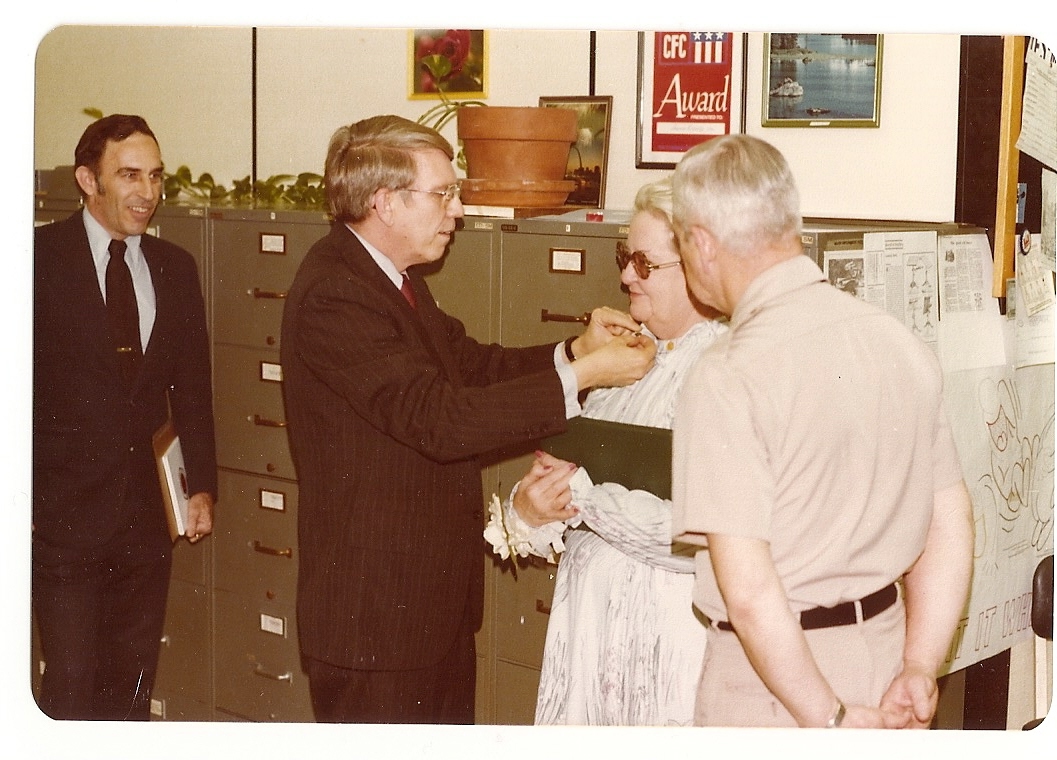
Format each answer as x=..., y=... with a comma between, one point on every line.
x=93, y=464
x=388, y=410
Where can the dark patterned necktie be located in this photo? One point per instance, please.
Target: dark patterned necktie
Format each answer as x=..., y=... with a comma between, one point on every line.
x=409, y=294
x=121, y=309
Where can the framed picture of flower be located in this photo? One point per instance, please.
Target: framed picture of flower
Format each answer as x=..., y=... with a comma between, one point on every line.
x=589, y=155
x=822, y=80
x=690, y=89
x=447, y=63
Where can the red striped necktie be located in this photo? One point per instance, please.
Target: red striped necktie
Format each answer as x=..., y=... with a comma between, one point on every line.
x=409, y=294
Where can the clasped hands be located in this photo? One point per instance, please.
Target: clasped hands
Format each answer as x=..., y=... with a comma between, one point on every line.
x=612, y=351
x=543, y=495
x=909, y=702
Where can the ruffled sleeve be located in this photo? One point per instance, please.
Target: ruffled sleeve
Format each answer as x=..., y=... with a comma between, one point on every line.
x=511, y=536
x=635, y=522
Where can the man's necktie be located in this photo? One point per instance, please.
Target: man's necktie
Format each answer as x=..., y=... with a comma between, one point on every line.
x=409, y=294
x=122, y=313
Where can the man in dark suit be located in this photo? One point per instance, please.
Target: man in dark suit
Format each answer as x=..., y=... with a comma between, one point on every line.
x=389, y=403
x=110, y=358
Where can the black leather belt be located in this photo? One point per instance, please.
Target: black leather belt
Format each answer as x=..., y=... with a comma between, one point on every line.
x=843, y=614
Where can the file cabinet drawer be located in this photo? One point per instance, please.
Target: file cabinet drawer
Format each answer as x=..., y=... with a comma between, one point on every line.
x=515, y=703
x=523, y=611
x=183, y=662
x=255, y=537
x=256, y=255
x=190, y=562
x=257, y=663
x=549, y=279
x=250, y=418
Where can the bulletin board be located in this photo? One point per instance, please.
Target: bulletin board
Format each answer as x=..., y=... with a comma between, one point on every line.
x=1002, y=410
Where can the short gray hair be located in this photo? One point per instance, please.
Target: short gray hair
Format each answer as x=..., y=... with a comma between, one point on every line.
x=371, y=154
x=740, y=189
x=656, y=198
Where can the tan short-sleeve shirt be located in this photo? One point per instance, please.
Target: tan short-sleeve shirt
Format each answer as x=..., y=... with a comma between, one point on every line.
x=816, y=424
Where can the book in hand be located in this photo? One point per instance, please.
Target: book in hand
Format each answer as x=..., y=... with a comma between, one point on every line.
x=635, y=456
x=173, y=478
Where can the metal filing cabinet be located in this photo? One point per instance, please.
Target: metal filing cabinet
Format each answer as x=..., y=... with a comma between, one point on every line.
x=184, y=686
x=552, y=273
x=255, y=255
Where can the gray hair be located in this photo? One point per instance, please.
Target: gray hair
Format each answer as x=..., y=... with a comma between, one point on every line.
x=656, y=198
x=371, y=154
x=740, y=189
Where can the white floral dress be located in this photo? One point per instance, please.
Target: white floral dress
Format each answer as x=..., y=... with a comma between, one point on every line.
x=624, y=646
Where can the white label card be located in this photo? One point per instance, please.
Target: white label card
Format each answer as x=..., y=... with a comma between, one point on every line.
x=273, y=500
x=273, y=243
x=567, y=260
x=271, y=372
x=272, y=624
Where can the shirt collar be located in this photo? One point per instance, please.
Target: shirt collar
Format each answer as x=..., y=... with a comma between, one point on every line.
x=99, y=241
x=775, y=281
x=384, y=262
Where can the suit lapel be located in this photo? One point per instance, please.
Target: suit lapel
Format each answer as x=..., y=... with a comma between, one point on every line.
x=433, y=328
x=156, y=263
x=424, y=320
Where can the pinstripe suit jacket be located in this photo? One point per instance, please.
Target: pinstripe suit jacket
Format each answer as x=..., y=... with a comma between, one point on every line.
x=388, y=409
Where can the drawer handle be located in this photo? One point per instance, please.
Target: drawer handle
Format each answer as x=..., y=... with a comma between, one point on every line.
x=541, y=607
x=259, y=547
x=258, y=293
x=265, y=422
x=259, y=671
x=546, y=316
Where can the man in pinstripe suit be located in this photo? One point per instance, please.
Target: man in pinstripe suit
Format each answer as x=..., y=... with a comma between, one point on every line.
x=389, y=403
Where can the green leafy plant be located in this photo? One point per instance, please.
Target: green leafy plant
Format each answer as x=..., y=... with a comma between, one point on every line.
x=182, y=182
x=302, y=191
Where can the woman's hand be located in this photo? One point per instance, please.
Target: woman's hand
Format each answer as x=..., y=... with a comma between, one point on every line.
x=543, y=496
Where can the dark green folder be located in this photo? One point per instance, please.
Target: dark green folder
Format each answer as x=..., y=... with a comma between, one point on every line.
x=635, y=456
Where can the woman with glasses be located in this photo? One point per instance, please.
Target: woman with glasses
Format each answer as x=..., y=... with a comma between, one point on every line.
x=624, y=646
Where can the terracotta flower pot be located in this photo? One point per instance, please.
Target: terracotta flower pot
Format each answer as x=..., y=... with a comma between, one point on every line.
x=516, y=144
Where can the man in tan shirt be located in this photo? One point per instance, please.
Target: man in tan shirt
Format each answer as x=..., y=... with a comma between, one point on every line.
x=813, y=459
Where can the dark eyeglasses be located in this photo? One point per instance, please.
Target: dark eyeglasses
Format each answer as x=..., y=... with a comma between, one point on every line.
x=643, y=266
x=447, y=195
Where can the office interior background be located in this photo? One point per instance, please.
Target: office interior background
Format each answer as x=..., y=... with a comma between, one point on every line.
x=263, y=101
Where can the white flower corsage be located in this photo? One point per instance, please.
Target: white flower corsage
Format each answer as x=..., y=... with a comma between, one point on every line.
x=511, y=536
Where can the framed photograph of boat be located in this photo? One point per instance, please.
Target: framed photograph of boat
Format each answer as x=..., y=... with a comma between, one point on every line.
x=690, y=89
x=822, y=80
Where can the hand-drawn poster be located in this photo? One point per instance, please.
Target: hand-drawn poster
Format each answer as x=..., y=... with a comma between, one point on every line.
x=1002, y=420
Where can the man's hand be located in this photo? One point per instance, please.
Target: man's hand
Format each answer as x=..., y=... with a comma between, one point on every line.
x=605, y=324
x=912, y=697
x=620, y=362
x=543, y=495
x=199, y=516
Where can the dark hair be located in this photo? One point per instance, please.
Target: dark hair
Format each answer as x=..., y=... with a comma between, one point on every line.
x=113, y=128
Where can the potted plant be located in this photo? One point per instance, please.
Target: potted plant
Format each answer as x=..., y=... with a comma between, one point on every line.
x=513, y=156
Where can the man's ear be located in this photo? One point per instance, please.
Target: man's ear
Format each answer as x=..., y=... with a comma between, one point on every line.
x=700, y=244
x=382, y=203
x=86, y=180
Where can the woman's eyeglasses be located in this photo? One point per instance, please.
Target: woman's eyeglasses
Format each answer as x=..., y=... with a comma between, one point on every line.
x=643, y=266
